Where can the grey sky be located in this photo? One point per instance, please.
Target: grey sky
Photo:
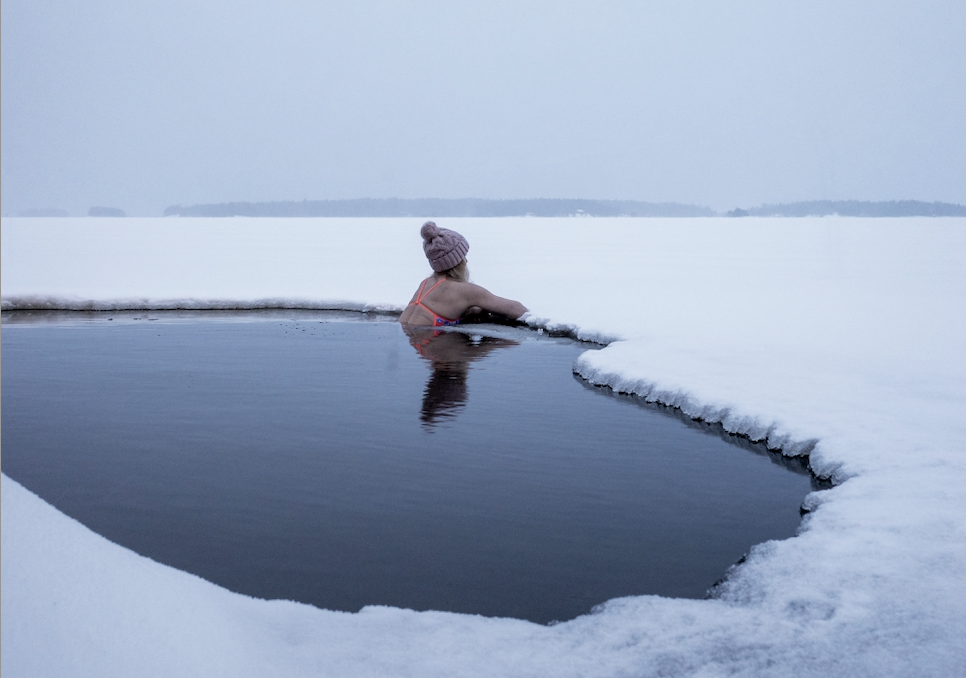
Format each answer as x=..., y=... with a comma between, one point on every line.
x=143, y=105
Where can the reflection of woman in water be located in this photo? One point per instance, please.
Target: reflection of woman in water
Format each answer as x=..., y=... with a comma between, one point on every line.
x=447, y=296
x=450, y=354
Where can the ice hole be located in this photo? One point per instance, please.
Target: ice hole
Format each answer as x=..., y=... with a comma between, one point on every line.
x=333, y=459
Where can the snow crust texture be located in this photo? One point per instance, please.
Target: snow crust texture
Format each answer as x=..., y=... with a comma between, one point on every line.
x=839, y=338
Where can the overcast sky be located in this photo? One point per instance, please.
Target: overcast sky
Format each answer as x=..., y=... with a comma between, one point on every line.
x=143, y=105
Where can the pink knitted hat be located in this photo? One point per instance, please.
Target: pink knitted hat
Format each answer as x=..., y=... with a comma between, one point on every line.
x=444, y=248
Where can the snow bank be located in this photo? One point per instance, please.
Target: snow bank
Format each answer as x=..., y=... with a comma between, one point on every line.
x=834, y=337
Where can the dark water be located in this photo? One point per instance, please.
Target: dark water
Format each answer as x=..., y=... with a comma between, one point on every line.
x=343, y=463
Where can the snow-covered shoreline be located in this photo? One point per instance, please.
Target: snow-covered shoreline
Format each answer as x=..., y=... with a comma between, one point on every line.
x=837, y=337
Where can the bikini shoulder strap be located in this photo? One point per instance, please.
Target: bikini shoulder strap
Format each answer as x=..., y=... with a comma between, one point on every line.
x=421, y=295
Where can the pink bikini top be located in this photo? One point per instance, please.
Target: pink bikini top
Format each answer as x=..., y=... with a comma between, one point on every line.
x=438, y=320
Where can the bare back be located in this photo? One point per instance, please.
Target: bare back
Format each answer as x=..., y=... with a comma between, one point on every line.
x=451, y=300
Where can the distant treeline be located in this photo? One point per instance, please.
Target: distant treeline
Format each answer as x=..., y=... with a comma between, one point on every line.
x=854, y=208
x=106, y=212
x=437, y=207
x=538, y=207
x=92, y=212
x=47, y=212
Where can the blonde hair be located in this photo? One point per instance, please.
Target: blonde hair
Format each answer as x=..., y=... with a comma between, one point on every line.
x=459, y=273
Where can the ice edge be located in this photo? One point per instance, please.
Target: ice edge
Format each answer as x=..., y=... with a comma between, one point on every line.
x=61, y=303
x=736, y=423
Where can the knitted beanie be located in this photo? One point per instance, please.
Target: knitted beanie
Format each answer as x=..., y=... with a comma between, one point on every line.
x=444, y=248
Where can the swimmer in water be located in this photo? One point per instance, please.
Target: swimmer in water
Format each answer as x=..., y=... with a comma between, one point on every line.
x=447, y=296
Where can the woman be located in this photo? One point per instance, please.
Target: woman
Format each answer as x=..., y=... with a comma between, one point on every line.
x=447, y=295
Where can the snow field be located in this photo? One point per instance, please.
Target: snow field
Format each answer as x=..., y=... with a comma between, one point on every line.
x=837, y=337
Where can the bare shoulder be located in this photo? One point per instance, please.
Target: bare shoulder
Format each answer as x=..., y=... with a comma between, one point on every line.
x=473, y=290
x=476, y=295
x=469, y=292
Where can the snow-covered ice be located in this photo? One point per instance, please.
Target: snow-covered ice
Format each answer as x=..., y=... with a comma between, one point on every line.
x=839, y=337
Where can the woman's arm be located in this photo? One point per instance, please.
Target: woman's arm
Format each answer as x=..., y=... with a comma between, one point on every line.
x=480, y=296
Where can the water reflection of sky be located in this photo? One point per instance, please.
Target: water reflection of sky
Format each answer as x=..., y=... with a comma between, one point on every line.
x=291, y=459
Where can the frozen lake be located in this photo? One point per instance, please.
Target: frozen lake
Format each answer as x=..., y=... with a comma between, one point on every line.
x=832, y=335
x=332, y=459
